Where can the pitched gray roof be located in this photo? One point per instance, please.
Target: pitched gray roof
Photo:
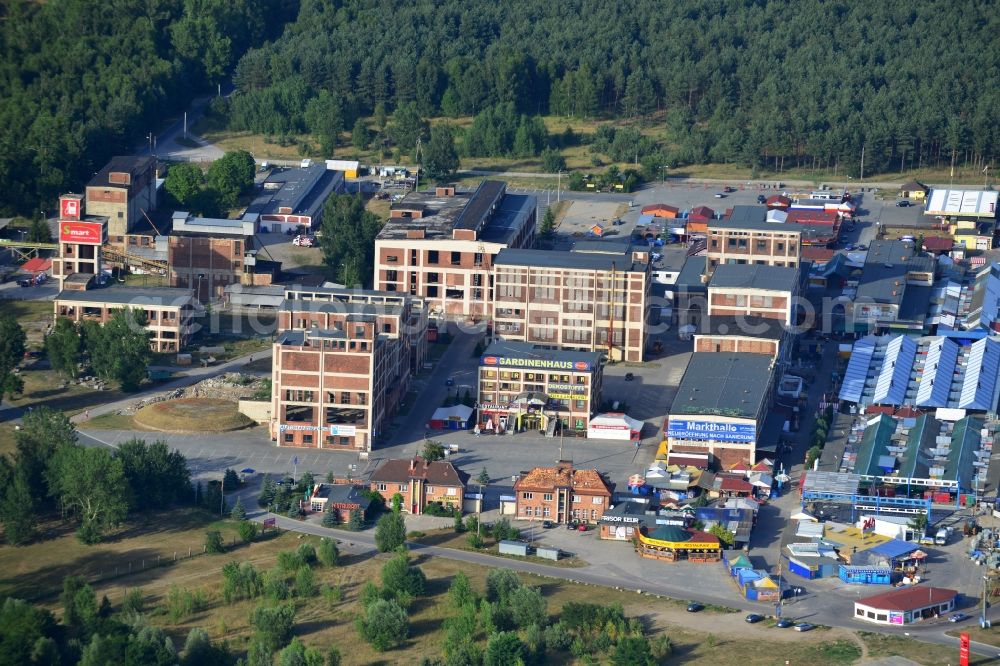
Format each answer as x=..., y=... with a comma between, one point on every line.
x=724, y=384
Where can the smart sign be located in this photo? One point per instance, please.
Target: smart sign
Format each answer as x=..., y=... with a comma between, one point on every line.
x=722, y=432
x=80, y=232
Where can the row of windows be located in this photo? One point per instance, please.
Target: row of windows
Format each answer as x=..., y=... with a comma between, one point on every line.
x=301, y=395
x=328, y=440
x=545, y=512
x=577, y=499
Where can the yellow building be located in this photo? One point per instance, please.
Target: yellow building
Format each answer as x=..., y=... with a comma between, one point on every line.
x=671, y=543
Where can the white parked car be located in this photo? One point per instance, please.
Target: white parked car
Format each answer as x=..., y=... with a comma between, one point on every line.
x=304, y=241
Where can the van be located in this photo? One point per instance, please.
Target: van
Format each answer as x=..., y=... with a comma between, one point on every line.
x=941, y=538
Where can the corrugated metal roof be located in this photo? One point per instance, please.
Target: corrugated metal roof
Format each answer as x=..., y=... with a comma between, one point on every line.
x=939, y=369
x=979, y=388
x=857, y=370
x=894, y=375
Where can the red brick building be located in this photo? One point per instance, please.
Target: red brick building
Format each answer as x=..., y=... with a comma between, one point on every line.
x=420, y=483
x=562, y=494
x=341, y=366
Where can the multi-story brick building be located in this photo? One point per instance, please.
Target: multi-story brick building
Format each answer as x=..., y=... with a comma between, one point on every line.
x=770, y=292
x=441, y=246
x=169, y=312
x=721, y=405
x=340, y=368
x=80, y=260
x=743, y=335
x=562, y=494
x=587, y=301
x=124, y=192
x=420, y=483
x=208, y=255
x=525, y=387
x=752, y=235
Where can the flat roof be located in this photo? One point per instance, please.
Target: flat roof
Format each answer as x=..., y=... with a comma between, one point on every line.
x=304, y=191
x=754, y=276
x=971, y=203
x=130, y=164
x=526, y=350
x=724, y=384
x=349, y=307
x=883, y=278
x=186, y=224
x=750, y=327
x=752, y=217
x=137, y=296
x=691, y=273
x=495, y=215
x=587, y=261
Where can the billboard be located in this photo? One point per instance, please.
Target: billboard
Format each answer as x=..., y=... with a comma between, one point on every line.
x=80, y=232
x=721, y=432
x=343, y=430
x=537, y=363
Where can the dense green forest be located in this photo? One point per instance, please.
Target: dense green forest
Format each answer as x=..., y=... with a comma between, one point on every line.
x=762, y=82
x=82, y=80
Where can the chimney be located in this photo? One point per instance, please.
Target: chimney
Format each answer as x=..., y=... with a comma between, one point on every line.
x=413, y=464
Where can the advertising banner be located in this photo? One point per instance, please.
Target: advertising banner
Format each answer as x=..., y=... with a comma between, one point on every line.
x=343, y=430
x=69, y=209
x=703, y=430
x=79, y=232
x=539, y=363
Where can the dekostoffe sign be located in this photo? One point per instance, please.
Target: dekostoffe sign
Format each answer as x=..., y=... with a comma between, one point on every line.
x=722, y=432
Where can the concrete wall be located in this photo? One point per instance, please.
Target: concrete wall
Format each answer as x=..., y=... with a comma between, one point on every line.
x=258, y=410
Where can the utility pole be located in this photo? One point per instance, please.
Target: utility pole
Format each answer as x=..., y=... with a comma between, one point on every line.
x=862, y=179
x=558, y=185
x=185, y=124
x=222, y=495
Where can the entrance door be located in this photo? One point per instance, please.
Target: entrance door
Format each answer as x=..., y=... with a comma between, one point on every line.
x=531, y=422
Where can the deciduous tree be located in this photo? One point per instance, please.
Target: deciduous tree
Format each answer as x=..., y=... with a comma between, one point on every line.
x=390, y=532
x=90, y=485
x=12, y=340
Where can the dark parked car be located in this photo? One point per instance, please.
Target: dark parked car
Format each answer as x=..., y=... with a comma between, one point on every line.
x=783, y=623
x=754, y=618
x=761, y=199
x=695, y=607
x=903, y=203
x=25, y=282
x=629, y=376
x=547, y=524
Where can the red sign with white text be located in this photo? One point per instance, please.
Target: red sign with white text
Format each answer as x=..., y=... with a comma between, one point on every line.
x=80, y=232
x=963, y=650
x=69, y=209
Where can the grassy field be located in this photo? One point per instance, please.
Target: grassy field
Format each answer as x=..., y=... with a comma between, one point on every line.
x=192, y=415
x=33, y=316
x=46, y=388
x=708, y=638
x=987, y=636
x=7, y=442
x=113, y=422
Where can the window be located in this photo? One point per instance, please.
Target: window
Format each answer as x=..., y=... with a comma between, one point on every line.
x=432, y=292
x=403, y=487
x=413, y=258
x=547, y=497
x=451, y=492
x=597, y=500
x=429, y=489
x=307, y=439
x=345, y=398
x=381, y=487
x=289, y=437
x=391, y=276
x=761, y=245
x=527, y=496
x=432, y=256
x=456, y=258
x=742, y=242
x=715, y=243
x=362, y=399
x=576, y=499
x=527, y=511
x=478, y=260
x=732, y=242
x=433, y=278
x=593, y=514
x=858, y=611
x=580, y=404
x=781, y=247
x=545, y=512
x=392, y=259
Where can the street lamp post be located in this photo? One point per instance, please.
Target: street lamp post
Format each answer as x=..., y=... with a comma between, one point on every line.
x=558, y=186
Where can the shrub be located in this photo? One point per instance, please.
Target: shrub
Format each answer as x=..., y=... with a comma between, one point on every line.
x=501, y=584
x=390, y=532
x=247, y=530
x=134, y=601
x=213, y=542
x=355, y=521
x=399, y=576
x=460, y=591
x=384, y=625
x=273, y=625
x=240, y=581
x=307, y=553
x=305, y=582
x=328, y=554
x=528, y=607
x=183, y=603
x=332, y=595
x=475, y=541
x=289, y=561
x=275, y=586
x=238, y=512
x=504, y=648
x=472, y=523
x=459, y=525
